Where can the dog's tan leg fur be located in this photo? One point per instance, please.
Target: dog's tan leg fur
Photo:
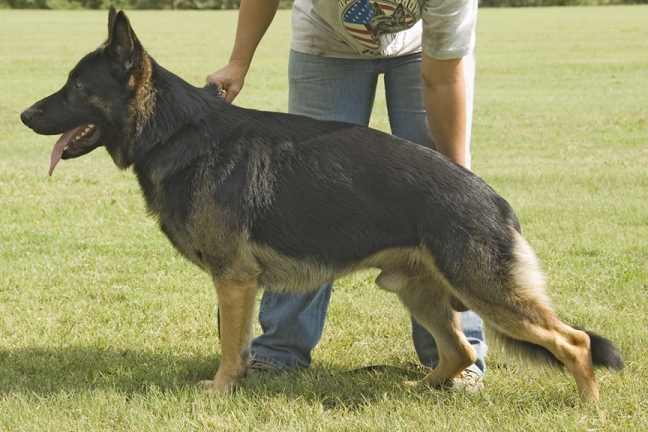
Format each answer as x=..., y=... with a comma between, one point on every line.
x=570, y=346
x=428, y=302
x=236, y=294
x=455, y=353
x=528, y=316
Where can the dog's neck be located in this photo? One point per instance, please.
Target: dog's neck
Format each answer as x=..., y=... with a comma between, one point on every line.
x=173, y=105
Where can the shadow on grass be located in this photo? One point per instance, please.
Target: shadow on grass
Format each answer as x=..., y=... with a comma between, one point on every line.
x=338, y=389
x=50, y=371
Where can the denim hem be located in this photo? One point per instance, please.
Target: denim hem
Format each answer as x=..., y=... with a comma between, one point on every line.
x=268, y=360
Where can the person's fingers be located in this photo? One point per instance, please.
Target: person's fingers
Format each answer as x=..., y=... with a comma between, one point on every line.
x=214, y=79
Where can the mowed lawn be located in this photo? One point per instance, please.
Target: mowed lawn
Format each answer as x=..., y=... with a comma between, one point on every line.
x=103, y=326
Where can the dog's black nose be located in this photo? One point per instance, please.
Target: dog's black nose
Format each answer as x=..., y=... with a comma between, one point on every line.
x=28, y=115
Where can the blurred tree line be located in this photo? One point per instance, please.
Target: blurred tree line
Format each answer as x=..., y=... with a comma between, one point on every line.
x=234, y=4
x=126, y=4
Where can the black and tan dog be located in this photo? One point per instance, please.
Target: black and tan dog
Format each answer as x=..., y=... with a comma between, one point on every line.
x=290, y=203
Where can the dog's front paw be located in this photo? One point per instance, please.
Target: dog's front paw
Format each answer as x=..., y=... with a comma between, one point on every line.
x=213, y=386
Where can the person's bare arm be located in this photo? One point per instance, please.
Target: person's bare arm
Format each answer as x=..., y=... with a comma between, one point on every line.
x=444, y=92
x=254, y=19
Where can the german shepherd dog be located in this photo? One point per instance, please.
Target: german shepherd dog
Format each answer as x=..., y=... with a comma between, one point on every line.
x=290, y=203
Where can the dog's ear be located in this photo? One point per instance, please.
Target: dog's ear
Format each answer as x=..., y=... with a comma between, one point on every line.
x=123, y=47
x=112, y=12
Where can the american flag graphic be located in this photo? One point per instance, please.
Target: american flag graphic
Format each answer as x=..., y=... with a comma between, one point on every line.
x=354, y=19
x=360, y=13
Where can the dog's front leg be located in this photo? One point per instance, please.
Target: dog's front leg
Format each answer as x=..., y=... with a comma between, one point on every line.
x=236, y=295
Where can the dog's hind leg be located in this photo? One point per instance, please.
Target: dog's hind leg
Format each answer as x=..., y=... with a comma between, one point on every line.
x=528, y=316
x=236, y=292
x=517, y=312
x=569, y=346
x=530, y=329
x=429, y=303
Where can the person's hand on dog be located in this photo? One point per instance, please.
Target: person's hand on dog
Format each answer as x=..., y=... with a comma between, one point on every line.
x=229, y=80
x=254, y=19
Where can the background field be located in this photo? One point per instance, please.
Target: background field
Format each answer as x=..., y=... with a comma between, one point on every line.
x=103, y=326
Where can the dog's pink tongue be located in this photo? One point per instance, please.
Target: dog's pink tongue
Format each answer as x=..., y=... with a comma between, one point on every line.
x=57, y=153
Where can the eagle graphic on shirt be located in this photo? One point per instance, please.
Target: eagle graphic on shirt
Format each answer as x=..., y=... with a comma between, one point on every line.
x=376, y=24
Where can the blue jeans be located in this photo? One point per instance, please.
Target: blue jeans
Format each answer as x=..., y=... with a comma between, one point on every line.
x=344, y=89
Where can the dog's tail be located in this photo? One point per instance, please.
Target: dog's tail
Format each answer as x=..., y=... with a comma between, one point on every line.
x=603, y=352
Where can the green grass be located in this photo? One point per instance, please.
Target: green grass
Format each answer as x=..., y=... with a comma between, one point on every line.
x=103, y=326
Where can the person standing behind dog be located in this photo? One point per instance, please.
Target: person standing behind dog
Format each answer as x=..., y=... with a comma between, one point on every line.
x=424, y=49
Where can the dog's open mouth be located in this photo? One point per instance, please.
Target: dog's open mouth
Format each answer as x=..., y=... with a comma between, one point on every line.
x=74, y=143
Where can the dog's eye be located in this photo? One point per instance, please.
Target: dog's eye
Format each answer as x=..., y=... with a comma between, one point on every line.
x=77, y=84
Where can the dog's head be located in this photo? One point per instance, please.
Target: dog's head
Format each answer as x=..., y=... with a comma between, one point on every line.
x=102, y=101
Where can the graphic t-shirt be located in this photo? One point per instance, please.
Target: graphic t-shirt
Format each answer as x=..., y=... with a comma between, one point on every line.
x=445, y=29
